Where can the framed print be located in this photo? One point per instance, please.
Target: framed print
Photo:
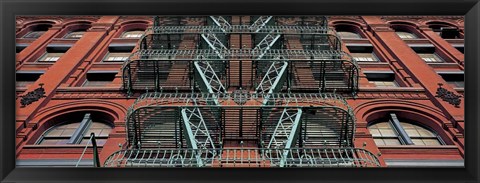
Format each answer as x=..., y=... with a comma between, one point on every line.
x=240, y=91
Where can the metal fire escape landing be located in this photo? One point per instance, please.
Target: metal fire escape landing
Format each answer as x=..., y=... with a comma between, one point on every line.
x=330, y=69
x=259, y=157
x=156, y=117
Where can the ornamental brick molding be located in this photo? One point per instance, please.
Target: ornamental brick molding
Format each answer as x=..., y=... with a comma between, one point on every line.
x=448, y=96
x=33, y=96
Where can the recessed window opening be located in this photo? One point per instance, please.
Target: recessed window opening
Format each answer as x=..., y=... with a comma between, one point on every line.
x=97, y=79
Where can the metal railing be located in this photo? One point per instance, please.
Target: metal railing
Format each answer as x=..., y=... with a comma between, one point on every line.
x=227, y=99
x=241, y=29
x=250, y=157
x=237, y=54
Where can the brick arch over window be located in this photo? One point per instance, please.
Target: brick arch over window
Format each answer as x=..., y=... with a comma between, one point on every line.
x=406, y=26
x=74, y=26
x=112, y=111
x=435, y=24
x=134, y=25
x=423, y=115
x=98, y=122
x=35, y=26
x=344, y=26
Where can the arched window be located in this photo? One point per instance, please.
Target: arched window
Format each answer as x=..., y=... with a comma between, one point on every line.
x=34, y=34
x=77, y=132
x=392, y=131
x=133, y=34
x=420, y=135
x=406, y=35
x=37, y=31
x=446, y=31
x=384, y=134
x=348, y=31
x=348, y=35
x=75, y=34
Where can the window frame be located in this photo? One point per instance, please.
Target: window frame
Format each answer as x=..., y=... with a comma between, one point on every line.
x=373, y=57
x=71, y=35
x=51, y=55
x=400, y=140
x=435, y=56
x=79, y=134
x=108, y=55
x=381, y=76
x=27, y=82
x=404, y=137
x=349, y=33
x=395, y=84
x=128, y=34
x=406, y=35
x=98, y=83
x=452, y=78
x=37, y=34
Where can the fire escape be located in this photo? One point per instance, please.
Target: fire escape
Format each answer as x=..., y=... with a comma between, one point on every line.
x=235, y=91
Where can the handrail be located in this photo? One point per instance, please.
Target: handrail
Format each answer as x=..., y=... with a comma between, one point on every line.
x=241, y=29
x=232, y=54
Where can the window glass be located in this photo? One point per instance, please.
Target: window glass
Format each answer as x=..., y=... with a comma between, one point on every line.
x=420, y=135
x=392, y=141
x=384, y=134
x=384, y=83
x=406, y=35
x=348, y=35
x=75, y=35
x=430, y=57
x=50, y=57
x=459, y=84
x=364, y=57
x=132, y=34
x=25, y=79
x=99, y=79
x=34, y=34
x=100, y=130
x=117, y=57
x=61, y=134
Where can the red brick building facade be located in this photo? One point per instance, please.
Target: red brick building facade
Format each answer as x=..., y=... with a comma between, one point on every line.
x=90, y=68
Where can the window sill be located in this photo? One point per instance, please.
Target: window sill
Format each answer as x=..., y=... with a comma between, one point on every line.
x=404, y=89
x=112, y=62
x=373, y=63
x=57, y=146
x=418, y=147
x=425, y=151
x=420, y=151
x=88, y=88
x=443, y=65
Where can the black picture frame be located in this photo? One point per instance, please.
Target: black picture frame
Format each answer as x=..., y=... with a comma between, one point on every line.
x=10, y=8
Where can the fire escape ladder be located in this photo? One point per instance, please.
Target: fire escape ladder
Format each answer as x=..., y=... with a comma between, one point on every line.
x=214, y=43
x=266, y=43
x=271, y=82
x=260, y=23
x=194, y=122
x=210, y=82
x=221, y=22
x=198, y=136
x=286, y=132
